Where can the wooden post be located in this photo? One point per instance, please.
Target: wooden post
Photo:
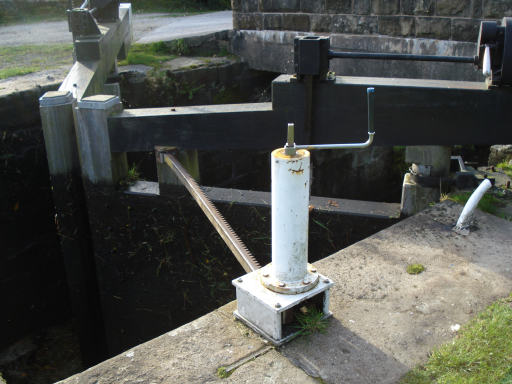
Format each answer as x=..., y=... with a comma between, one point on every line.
x=56, y=110
x=99, y=164
x=167, y=180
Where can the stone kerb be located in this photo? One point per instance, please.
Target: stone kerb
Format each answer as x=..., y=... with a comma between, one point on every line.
x=457, y=20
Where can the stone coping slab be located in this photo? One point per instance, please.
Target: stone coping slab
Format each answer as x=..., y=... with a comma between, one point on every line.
x=384, y=322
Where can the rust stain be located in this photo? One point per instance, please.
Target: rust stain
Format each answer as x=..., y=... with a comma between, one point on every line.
x=299, y=171
x=333, y=203
x=311, y=207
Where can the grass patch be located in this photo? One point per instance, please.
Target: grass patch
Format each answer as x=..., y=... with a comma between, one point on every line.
x=152, y=55
x=23, y=59
x=481, y=353
x=506, y=167
x=311, y=321
x=223, y=373
x=26, y=12
x=415, y=269
x=488, y=203
x=11, y=72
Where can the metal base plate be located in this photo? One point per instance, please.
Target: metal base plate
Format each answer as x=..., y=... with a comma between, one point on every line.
x=308, y=282
x=276, y=342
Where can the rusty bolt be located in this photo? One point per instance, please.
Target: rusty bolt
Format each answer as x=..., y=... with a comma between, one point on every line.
x=278, y=305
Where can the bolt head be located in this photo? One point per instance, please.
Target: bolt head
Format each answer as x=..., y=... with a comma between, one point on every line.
x=313, y=270
x=327, y=281
x=240, y=280
x=282, y=285
x=266, y=275
x=278, y=305
x=305, y=282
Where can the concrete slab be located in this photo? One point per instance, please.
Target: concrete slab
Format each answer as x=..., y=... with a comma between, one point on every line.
x=384, y=322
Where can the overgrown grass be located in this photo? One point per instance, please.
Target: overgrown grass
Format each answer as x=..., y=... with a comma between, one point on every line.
x=23, y=59
x=488, y=203
x=480, y=354
x=151, y=55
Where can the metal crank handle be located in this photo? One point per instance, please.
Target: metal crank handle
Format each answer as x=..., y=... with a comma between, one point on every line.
x=370, y=92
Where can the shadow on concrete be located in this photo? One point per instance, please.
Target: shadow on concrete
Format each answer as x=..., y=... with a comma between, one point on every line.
x=341, y=356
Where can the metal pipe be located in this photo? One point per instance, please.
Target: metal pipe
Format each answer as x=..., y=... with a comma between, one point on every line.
x=400, y=56
x=467, y=213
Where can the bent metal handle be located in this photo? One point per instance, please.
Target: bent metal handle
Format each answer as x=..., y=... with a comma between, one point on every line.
x=370, y=92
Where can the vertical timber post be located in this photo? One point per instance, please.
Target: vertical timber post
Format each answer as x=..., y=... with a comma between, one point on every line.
x=167, y=180
x=56, y=110
x=99, y=164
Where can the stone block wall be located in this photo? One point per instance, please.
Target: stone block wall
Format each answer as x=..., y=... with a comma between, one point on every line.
x=457, y=20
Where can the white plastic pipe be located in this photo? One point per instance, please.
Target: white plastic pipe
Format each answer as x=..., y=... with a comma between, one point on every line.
x=467, y=212
x=486, y=67
x=290, y=214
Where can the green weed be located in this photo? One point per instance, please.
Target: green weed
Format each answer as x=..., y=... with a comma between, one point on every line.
x=223, y=373
x=415, y=269
x=152, y=55
x=311, y=321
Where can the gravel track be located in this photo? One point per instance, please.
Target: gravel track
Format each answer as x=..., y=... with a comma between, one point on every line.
x=148, y=27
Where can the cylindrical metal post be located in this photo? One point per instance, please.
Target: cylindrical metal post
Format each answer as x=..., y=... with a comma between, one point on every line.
x=290, y=215
x=288, y=272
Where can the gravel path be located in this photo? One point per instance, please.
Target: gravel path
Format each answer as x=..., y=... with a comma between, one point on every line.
x=148, y=27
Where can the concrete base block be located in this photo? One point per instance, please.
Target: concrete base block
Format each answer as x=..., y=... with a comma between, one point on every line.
x=415, y=197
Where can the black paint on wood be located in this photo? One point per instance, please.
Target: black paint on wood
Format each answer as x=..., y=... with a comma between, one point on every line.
x=407, y=112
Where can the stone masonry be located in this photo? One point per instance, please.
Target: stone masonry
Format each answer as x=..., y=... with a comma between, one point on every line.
x=457, y=20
